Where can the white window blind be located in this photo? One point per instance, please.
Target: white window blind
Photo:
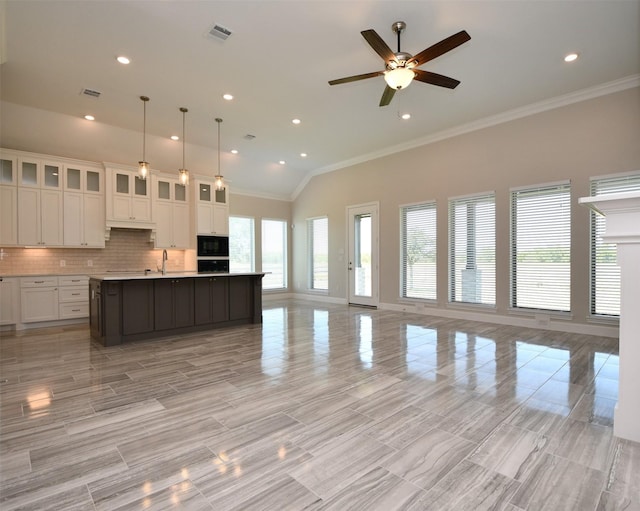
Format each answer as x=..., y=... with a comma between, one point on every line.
x=241, y=244
x=274, y=254
x=541, y=248
x=472, y=249
x=605, y=272
x=318, y=252
x=418, y=251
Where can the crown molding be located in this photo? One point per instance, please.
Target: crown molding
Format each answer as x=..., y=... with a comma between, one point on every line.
x=628, y=82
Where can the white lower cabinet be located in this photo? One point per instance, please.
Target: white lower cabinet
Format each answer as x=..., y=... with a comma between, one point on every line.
x=73, y=297
x=52, y=298
x=39, y=299
x=9, y=301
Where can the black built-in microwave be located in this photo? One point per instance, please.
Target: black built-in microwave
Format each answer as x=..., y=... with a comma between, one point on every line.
x=213, y=246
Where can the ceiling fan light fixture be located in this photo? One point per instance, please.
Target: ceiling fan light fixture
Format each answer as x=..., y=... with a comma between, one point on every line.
x=399, y=78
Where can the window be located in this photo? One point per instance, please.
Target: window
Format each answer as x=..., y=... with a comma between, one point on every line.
x=472, y=249
x=418, y=246
x=241, y=244
x=541, y=248
x=274, y=254
x=605, y=272
x=318, y=250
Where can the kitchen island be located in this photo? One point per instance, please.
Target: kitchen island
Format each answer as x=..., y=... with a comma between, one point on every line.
x=127, y=307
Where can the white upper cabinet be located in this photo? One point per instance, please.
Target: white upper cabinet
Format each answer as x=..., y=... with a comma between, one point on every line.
x=212, y=209
x=40, y=210
x=171, y=213
x=8, y=200
x=128, y=199
x=84, y=210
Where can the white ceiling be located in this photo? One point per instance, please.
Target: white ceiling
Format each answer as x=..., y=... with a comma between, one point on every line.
x=279, y=58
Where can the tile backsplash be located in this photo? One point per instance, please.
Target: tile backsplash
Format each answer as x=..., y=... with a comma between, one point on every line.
x=126, y=250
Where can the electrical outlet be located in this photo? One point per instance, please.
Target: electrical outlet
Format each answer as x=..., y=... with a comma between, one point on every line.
x=89, y=262
x=63, y=262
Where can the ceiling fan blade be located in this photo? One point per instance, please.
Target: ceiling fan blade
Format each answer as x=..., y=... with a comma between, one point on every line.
x=440, y=48
x=387, y=96
x=379, y=46
x=355, y=78
x=435, y=79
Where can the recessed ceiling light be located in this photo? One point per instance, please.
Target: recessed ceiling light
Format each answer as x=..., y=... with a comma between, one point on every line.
x=282, y=162
x=234, y=151
x=89, y=117
x=296, y=121
x=122, y=59
x=406, y=116
x=175, y=137
x=571, y=57
x=304, y=155
x=228, y=97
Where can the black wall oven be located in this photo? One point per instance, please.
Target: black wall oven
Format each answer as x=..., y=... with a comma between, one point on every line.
x=213, y=265
x=213, y=246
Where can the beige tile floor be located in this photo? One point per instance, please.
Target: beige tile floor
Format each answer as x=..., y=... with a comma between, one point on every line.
x=321, y=407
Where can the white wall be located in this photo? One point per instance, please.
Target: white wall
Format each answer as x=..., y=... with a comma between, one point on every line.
x=591, y=138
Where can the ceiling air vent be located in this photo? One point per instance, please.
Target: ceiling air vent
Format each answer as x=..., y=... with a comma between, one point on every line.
x=92, y=93
x=219, y=32
x=248, y=136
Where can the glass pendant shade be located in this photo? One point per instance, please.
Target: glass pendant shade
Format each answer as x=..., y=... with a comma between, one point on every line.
x=399, y=78
x=143, y=169
x=219, y=182
x=143, y=166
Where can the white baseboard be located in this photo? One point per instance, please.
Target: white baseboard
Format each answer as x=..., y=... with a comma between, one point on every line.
x=561, y=325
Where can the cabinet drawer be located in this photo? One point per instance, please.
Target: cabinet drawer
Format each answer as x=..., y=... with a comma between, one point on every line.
x=73, y=280
x=46, y=281
x=73, y=294
x=74, y=310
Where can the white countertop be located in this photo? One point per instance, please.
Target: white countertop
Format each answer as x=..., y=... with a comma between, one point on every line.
x=168, y=275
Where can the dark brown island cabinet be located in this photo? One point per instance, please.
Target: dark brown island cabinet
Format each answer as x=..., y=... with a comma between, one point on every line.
x=127, y=308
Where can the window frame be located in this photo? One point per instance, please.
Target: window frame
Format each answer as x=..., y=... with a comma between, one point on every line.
x=557, y=187
x=594, y=235
x=285, y=248
x=453, y=202
x=429, y=205
x=311, y=253
x=253, y=242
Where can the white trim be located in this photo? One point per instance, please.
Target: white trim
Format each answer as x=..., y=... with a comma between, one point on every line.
x=614, y=176
x=540, y=186
x=510, y=115
x=491, y=193
x=419, y=203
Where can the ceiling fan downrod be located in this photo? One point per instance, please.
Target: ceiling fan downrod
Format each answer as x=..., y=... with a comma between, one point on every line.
x=398, y=27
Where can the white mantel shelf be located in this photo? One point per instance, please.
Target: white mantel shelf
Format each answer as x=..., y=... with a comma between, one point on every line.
x=622, y=211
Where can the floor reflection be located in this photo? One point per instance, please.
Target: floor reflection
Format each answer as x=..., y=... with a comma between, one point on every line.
x=322, y=406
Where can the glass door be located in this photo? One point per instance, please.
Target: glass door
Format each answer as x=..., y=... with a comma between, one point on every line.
x=363, y=254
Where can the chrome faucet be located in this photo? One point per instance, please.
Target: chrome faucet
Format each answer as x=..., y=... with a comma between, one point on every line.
x=164, y=261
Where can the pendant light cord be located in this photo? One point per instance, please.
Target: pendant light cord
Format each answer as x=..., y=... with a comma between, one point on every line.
x=184, y=111
x=218, y=120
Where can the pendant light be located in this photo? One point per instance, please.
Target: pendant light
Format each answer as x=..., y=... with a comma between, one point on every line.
x=219, y=182
x=183, y=172
x=143, y=166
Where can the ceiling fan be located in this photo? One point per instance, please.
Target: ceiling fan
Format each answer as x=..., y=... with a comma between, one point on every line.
x=401, y=66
